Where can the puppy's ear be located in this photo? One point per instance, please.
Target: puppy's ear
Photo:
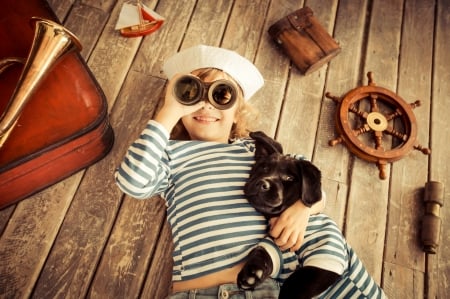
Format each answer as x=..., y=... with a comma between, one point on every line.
x=311, y=182
x=265, y=145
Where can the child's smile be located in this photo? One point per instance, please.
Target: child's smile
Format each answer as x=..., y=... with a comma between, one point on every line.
x=205, y=118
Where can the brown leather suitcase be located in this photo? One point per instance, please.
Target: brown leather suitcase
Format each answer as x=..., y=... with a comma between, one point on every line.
x=64, y=126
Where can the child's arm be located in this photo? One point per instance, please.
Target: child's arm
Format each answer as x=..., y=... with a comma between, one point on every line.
x=288, y=230
x=144, y=170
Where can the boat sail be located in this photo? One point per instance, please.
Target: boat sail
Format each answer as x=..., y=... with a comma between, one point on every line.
x=138, y=20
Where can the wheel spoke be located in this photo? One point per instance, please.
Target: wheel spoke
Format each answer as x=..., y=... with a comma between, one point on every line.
x=361, y=130
x=358, y=112
x=391, y=131
x=378, y=140
x=373, y=103
x=396, y=113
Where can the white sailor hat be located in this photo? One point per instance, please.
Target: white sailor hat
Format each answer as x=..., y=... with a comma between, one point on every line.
x=239, y=68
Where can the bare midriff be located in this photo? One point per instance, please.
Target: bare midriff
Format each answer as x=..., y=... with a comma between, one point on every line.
x=208, y=281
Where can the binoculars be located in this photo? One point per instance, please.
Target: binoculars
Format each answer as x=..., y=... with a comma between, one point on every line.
x=189, y=90
x=431, y=222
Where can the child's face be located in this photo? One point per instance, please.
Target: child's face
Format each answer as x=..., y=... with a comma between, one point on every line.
x=209, y=123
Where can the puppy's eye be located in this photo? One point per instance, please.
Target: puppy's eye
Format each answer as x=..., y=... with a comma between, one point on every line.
x=288, y=178
x=265, y=186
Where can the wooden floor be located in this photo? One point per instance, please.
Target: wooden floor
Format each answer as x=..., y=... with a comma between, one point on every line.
x=83, y=238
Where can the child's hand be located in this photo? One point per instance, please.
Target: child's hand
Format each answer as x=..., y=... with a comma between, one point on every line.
x=172, y=110
x=288, y=230
x=176, y=107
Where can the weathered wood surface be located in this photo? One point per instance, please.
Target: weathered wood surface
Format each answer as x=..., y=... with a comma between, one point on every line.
x=83, y=238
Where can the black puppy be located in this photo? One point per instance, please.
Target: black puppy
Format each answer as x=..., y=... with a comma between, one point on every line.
x=276, y=182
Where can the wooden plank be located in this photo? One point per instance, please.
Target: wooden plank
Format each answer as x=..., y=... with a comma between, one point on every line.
x=158, y=283
x=61, y=8
x=86, y=23
x=5, y=214
x=368, y=196
x=411, y=282
x=76, y=250
x=88, y=223
x=123, y=266
x=301, y=107
x=165, y=42
x=438, y=267
x=246, y=23
x=409, y=174
x=28, y=238
x=104, y=5
x=124, y=263
x=112, y=56
x=299, y=119
x=342, y=75
x=274, y=65
x=211, y=32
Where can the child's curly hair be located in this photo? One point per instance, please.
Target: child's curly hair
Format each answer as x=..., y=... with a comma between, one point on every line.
x=246, y=113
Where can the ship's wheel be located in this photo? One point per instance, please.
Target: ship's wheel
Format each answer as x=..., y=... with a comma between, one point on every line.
x=376, y=125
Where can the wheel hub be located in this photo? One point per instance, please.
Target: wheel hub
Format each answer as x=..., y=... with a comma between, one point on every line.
x=377, y=121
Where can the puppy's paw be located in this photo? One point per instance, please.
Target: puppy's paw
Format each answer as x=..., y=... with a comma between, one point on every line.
x=250, y=277
x=257, y=268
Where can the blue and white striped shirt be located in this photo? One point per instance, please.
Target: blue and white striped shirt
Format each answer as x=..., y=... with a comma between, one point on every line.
x=213, y=225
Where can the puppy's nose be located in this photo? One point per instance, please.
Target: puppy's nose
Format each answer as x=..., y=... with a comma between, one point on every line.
x=264, y=185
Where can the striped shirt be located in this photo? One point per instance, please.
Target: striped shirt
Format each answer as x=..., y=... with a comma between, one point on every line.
x=213, y=225
x=325, y=247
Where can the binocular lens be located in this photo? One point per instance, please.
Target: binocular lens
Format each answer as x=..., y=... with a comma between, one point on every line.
x=189, y=90
x=222, y=94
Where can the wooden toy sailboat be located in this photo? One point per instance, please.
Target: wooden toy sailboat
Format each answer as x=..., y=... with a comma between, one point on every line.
x=138, y=20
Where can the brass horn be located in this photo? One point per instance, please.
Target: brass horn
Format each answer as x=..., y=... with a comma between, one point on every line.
x=51, y=42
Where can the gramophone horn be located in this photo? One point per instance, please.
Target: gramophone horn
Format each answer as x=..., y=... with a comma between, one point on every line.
x=51, y=42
